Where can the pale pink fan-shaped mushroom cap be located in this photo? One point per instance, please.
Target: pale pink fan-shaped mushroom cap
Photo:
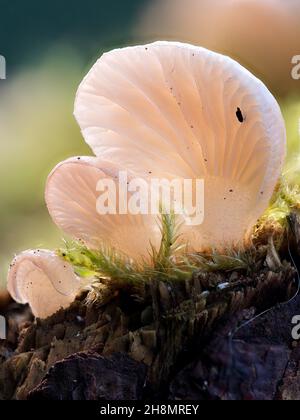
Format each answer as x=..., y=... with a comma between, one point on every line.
x=176, y=111
x=71, y=197
x=43, y=280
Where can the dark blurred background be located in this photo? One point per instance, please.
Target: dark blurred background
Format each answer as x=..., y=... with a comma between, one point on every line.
x=29, y=28
x=50, y=45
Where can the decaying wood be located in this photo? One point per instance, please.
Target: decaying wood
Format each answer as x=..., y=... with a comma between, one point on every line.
x=175, y=342
x=88, y=376
x=260, y=362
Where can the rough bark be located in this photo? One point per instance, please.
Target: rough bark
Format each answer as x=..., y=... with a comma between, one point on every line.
x=180, y=341
x=260, y=362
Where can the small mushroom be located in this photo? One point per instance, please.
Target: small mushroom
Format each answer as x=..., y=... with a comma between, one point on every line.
x=43, y=280
x=71, y=197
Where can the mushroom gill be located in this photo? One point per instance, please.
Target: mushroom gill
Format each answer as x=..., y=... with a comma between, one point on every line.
x=181, y=111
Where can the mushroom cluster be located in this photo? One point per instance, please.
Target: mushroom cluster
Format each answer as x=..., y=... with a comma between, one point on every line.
x=167, y=110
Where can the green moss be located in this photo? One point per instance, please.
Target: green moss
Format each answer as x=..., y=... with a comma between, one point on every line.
x=286, y=199
x=169, y=263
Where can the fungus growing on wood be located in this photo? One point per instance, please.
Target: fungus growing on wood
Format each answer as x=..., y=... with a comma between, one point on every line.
x=167, y=110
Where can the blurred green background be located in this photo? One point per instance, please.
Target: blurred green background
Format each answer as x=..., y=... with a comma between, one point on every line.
x=50, y=45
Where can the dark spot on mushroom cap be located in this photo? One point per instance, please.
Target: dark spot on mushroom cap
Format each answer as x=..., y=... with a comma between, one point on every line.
x=231, y=191
x=239, y=115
